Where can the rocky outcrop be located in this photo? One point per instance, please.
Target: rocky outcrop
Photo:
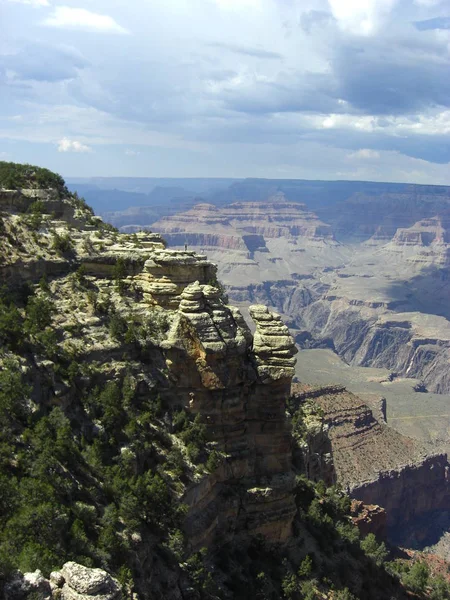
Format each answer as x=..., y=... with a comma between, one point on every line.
x=181, y=340
x=73, y=582
x=52, y=202
x=242, y=403
x=23, y=586
x=379, y=466
x=242, y=225
x=369, y=518
x=82, y=583
x=167, y=273
x=273, y=345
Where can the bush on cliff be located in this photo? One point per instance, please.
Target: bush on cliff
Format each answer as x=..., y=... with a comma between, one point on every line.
x=16, y=176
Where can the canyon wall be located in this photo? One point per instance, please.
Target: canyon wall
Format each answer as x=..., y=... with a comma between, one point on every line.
x=379, y=466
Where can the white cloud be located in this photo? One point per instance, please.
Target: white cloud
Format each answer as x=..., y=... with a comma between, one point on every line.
x=66, y=145
x=130, y=152
x=80, y=18
x=31, y=2
x=364, y=153
x=361, y=17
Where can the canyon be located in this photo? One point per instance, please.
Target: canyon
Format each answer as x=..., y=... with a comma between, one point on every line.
x=366, y=279
x=381, y=302
x=151, y=413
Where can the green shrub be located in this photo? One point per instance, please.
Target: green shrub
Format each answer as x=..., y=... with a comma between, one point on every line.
x=440, y=589
x=62, y=243
x=35, y=212
x=13, y=392
x=376, y=551
x=417, y=577
x=213, y=461
x=39, y=313
x=344, y=594
x=118, y=326
x=290, y=586
x=11, y=326
x=306, y=567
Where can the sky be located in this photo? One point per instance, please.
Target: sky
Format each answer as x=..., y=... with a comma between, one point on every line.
x=313, y=89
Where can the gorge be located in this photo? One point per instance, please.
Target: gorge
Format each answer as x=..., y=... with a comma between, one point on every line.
x=151, y=443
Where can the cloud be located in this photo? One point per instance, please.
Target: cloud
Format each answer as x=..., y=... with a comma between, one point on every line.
x=130, y=152
x=246, y=51
x=238, y=5
x=362, y=17
x=79, y=18
x=66, y=145
x=44, y=62
x=377, y=79
x=249, y=86
x=365, y=154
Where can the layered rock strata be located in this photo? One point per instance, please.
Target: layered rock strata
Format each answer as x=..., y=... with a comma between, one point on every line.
x=240, y=393
x=409, y=344
x=242, y=226
x=379, y=466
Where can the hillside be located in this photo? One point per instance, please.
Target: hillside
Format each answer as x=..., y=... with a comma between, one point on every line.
x=145, y=451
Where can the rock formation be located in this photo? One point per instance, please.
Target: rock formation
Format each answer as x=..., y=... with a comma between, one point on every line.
x=73, y=582
x=369, y=518
x=352, y=298
x=243, y=406
x=378, y=466
x=242, y=226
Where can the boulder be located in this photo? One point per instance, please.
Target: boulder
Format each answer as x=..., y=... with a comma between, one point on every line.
x=84, y=583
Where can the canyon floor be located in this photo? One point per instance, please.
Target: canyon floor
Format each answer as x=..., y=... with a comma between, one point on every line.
x=422, y=415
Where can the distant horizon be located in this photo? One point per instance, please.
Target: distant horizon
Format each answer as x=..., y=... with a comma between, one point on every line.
x=224, y=178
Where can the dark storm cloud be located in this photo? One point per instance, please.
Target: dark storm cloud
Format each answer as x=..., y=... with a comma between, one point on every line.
x=381, y=77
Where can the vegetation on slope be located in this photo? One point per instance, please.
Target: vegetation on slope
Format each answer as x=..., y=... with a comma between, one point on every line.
x=16, y=176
